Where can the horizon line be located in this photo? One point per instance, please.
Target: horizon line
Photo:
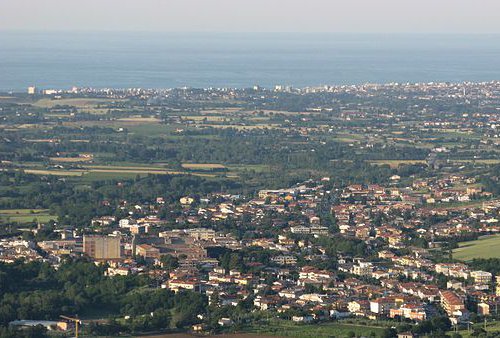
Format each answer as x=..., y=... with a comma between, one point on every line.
x=35, y=30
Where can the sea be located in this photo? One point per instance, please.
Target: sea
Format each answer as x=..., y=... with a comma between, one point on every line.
x=61, y=60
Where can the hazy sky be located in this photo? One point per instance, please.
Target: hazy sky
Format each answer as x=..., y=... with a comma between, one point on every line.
x=440, y=16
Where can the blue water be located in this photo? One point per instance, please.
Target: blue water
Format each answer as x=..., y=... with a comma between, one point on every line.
x=164, y=60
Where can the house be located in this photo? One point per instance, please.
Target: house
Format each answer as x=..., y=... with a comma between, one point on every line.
x=410, y=311
x=186, y=200
x=313, y=297
x=407, y=335
x=382, y=306
x=125, y=223
x=358, y=307
x=302, y=319
x=265, y=303
x=362, y=269
x=199, y=327
x=452, y=303
x=118, y=271
x=225, y=322
x=176, y=285
x=147, y=251
x=481, y=277
x=284, y=260
x=483, y=309
x=48, y=324
x=139, y=229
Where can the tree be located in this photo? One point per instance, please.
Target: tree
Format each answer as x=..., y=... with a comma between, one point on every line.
x=161, y=319
x=441, y=323
x=389, y=333
x=169, y=262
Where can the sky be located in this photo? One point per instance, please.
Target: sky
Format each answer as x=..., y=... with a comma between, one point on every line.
x=356, y=16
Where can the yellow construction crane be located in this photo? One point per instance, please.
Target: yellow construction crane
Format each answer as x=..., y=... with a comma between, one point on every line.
x=77, y=322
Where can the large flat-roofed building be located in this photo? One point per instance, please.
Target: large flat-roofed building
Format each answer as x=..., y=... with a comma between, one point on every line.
x=147, y=251
x=481, y=277
x=201, y=234
x=32, y=90
x=451, y=303
x=102, y=247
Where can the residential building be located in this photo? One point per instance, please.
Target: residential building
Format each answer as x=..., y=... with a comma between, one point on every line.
x=102, y=247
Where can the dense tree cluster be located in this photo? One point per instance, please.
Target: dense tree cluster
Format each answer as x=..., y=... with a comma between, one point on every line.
x=36, y=291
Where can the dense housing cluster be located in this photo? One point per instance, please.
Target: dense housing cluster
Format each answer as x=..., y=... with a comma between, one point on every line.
x=371, y=206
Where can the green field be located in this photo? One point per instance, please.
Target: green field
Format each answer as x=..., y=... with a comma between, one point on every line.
x=396, y=163
x=203, y=166
x=492, y=326
x=112, y=172
x=478, y=161
x=260, y=168
x=75, y=102
x=25, y=216
x=101, y=176
x=334, y=329
x=485, y=247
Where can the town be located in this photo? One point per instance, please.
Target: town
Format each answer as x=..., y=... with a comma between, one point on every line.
x=368, y=210
x=249, y=169
x=291, y=266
